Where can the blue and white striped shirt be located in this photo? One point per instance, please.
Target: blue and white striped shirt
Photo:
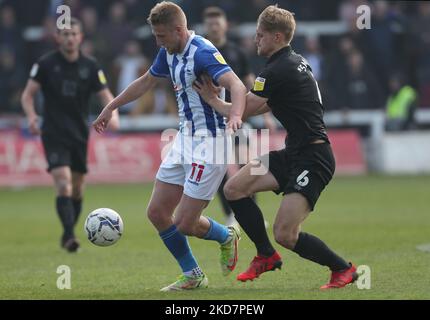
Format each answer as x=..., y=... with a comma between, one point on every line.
x=198, y=57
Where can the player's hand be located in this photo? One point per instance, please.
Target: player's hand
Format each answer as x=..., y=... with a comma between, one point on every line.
x=101, y=123
x=33, y=125
x=234, y=123
x=206, y=89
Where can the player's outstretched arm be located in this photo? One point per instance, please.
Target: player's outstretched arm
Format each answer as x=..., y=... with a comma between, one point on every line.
x=106, y=96
x=27, y=101
x=136, y=89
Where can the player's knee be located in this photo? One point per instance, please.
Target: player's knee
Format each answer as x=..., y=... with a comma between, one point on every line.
x=155, y=215
x=232, y=191
x=63, y=187
x=286, y=238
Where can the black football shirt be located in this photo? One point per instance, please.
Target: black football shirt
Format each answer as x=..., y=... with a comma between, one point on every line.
x=293, y=96
x=67, y=88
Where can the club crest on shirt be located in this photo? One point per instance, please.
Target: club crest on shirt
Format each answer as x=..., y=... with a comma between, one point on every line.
x=259, y=84
x=219, y=58
x=84, y=73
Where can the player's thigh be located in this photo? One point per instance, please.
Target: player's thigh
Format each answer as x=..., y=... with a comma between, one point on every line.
x=62, y=177
x=78, y=157
x=78, y=180
x=249, y=180
x=57, y=153
x=164, y=199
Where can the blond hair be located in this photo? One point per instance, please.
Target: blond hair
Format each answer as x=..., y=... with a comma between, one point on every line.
x=274, y=19
x=166, y=13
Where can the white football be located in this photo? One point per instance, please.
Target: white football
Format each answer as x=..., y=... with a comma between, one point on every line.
x=104, y=227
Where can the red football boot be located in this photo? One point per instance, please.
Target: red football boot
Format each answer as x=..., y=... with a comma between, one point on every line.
x=339, y=279
x=259, y=265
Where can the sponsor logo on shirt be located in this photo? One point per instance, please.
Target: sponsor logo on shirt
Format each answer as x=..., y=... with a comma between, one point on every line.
x=102, y=77
x=219, y=58
x=259, y=84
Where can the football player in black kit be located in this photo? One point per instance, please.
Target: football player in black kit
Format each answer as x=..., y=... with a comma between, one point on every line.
x=301, y=171
x=67, y=79
x=216, y=27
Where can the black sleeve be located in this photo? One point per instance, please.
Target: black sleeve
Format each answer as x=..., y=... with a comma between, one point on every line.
x=98, y=78
x=39, y=71
x=265, y=84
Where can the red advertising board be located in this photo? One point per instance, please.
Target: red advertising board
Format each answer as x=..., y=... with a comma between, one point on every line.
x=133, y=157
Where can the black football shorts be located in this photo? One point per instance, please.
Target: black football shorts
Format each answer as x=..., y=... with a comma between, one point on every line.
x=71, y=154
x=307, y=172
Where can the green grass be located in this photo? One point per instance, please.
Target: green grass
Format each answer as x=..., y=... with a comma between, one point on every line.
x=375, y=220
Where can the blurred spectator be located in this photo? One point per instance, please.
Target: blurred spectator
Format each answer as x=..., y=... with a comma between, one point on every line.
x=420, y=33
x=30, y=13
x=12, y=81
x=138, y=10
x=401, y=105
x=117, y=30
x=361, y=87
x=35, y=49
x=381, y=42
x=333, y=89
x=313, y=54
x=90, y=21
x=10, y=33
x=87, y=48
x=129, y=66
x=256, y=62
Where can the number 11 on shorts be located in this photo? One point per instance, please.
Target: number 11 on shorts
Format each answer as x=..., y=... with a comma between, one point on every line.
x=199, y=173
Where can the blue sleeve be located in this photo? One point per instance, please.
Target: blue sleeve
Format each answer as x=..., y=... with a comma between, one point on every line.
x=210, y=61
x=159, y=67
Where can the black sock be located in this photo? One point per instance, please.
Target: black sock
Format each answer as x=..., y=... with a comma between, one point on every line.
x=313, y=249
x=224, y=202
x=250, y=218
x=66, y=213
x=77, y=206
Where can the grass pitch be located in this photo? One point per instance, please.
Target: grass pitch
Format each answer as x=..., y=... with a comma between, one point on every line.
x=376, y=221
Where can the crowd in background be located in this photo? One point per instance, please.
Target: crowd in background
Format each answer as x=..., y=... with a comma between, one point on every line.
x=358, y=69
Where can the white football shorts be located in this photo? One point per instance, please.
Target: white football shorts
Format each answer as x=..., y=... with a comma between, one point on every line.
x=198, y=163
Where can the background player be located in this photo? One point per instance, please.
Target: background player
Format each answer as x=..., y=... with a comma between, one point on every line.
x=216, y=27
x=181, y=187
x=67, y=78
x=300, y=171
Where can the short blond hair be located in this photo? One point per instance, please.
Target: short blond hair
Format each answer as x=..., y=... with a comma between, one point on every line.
x=166, y=13
x=275, y=19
